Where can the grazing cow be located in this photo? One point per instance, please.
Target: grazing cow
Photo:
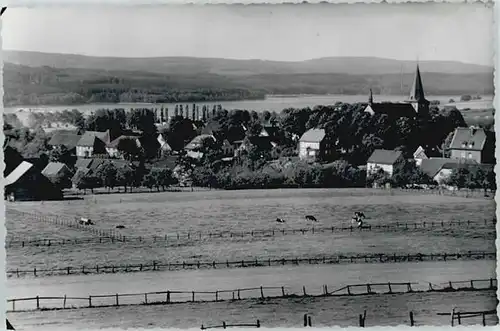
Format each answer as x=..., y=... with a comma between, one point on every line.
x=359, y=215
x=280, y=220
x=120, y=226
x=311, y=218
x=85, y=221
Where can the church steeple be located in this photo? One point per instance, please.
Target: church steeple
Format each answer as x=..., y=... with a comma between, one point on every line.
x=417, y=96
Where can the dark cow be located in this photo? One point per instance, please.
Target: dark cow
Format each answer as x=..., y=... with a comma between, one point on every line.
x=280, y=220
x=311, y=218
x=120, y=226
x=85, y=221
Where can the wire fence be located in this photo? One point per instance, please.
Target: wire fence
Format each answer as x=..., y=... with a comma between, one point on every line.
x=113, y=236
x=257, y=262
x=170, y=297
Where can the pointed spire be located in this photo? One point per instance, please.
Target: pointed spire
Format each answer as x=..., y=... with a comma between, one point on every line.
x=370, y=97
x=417, y=90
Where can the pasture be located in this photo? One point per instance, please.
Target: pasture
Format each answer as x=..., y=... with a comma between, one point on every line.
x=382, y=310
x=166, y=213
x=169, y=213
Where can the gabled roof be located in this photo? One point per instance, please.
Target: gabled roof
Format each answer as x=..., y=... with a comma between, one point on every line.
x=313, y=135
x=114, y=143
x=89, y=137
x=96, y=163
x=196, y=142
x=434, y=165
x=429, y=152
x=475, y=136
x=80, y=172
x=393, y=109
x=69, y=140
x=384, y=156
x=83, y=163
x=17, y=173
x=53, y=168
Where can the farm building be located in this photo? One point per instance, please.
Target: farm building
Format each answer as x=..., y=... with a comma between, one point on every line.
x=194, y=146
x=311, y=144
x=25, y=182
x=424, y=153
x=83, y=163
x=91, y=144
x=112, y=147
x=472, y=144
x=66, y=139
x=227, y=148
x=383, y=159
x=440, y=169
x=58, y=173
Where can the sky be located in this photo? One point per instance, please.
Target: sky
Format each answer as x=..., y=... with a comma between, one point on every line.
x=430, y=31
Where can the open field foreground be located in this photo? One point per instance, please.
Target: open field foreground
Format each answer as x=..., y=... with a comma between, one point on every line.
x=215, y=211
x=382, y=310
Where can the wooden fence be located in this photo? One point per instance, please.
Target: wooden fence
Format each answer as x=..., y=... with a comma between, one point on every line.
x=113, y=236
x=225, y=325
x=170, y=297
x=461, y=315
x=257, y=262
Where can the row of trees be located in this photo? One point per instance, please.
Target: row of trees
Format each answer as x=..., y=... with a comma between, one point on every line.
x=109, y=176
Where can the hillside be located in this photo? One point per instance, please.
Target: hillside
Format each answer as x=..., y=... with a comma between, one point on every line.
x=191, y=65
x=70, y=79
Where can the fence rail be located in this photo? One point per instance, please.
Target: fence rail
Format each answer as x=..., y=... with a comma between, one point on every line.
x=113, y=236
x=257, y=262
x=169, y=297
x=224, y=325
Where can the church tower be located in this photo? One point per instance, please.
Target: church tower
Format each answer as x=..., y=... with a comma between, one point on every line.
x=417, y=97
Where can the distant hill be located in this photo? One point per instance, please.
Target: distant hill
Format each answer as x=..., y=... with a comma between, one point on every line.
x=32, y=78
x=191, y=65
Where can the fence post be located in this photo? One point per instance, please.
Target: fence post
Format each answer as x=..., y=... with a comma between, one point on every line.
x=37, y=302
x=64, y=302
x=145, y=298
x=348, y=290
x=491, y=282
x=216, y=295
x=283, y=291
x=90, y=301
x=304, y=290
x=484, y=319
x=459, y=319
x=258, y=324
x=412, y=321
x=168, y=296
x=309, y=320
x=261, y=292
x=224, y=325
x=239, y=298
x=117, y=303
x=390, y=288
x=192, y=298
x=305, y=320
x=34, y=271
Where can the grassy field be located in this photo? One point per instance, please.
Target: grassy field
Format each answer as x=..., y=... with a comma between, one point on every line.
x=382, y=310
x=166, y=213
x=158, y=214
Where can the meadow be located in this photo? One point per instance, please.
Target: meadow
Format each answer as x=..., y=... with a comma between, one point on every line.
x=158, y=214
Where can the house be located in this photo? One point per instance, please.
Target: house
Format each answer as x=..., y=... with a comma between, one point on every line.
x=472, y=144
x=83, y=163
x=112, y=147
x=67, y=139
x=227, y=148
x=383, y=159
x=425, y=153
x=58, y=173
x=91, y=144
x=311, y=144
x=197, y=142
x=165, y=148
x=415, y=105
x=25, y=182
x=440, y=169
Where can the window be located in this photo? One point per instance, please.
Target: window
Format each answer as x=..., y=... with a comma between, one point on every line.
x=470, y=155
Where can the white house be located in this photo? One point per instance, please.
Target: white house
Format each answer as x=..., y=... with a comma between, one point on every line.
x=310, y=144
x=383, y=159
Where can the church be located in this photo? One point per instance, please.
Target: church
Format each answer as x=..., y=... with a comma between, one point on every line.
x=415, y=106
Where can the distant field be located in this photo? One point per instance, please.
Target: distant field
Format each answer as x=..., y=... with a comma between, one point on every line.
x=166, y=213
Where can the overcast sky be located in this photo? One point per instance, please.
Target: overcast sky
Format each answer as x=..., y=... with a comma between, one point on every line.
x=459, y=32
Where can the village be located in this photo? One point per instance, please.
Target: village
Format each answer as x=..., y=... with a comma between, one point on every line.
x=155, y=149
